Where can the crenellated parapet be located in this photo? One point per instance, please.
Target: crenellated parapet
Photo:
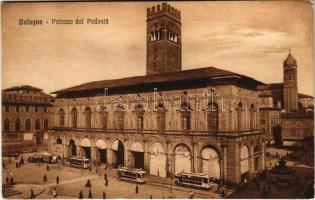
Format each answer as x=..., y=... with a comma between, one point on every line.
x=164, y=8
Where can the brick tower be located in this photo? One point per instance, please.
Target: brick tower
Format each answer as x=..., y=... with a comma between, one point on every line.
x=290, y=90
x=164, y=49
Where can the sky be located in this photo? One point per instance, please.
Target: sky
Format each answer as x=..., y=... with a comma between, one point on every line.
x=250, y=38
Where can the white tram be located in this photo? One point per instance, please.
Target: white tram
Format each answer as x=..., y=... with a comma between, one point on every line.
x=198, y=180
x=82, y=163
x=134, y=175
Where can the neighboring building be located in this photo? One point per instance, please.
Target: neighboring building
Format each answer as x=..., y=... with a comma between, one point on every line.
x=286, y=115
x=164, y=135
x=25, y=116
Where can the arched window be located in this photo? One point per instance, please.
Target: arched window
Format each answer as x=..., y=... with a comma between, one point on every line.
x=17, y=124
x=46, y=124
x=252, y=116
x=74, y=117
x=212, y=116
x=185, y=116
x=61, y=118
x=103, y=117
x=88, y=119
x=239, y=111
x=7, y=124
x=161, y=117
x=140, y=113
x=119, y=117
x=59, y=141
x=37, y=124
x=28, y=125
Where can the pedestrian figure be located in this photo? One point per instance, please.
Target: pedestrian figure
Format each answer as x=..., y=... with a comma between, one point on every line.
x=45, y=178
x=105, y=176
x=163, y=197
x=88, y=183
x=104, y=195
x=137, y=188
x=90, y=194
x=11, y=180
x=81, y=195
x=106, y=166
x=222, y=194
x=191, y=195
x=57, y=179
x=54, y=193
x=151, y=197
x=47, y=168
x=106, y=182
x=32, y=194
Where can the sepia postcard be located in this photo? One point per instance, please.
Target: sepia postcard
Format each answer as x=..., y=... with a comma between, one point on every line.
x=157, y=100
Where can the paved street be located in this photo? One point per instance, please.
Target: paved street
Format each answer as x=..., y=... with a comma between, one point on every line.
x=72, y=181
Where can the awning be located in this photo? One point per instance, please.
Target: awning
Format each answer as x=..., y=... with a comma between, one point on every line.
x=157, y=148
x=100, y=144
x=137, y=147
x=85, y=143
x=209, y=154
x=115, y=145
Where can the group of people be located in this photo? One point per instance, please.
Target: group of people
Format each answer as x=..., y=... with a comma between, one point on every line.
x=9, y=179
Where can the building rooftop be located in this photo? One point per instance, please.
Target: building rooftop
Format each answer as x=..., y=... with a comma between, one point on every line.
x=185, y=75
x=304, y=96
x=23, y=87
x=271, y=86
x=290, y=60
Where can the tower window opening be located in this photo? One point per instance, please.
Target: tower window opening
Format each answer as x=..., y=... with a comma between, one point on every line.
x=176, y=38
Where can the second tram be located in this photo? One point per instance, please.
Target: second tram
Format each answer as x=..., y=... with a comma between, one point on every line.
x=134, y=175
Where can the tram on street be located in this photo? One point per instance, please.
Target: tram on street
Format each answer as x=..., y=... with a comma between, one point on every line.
x=196, y=180
x=134, y=175
x=82, y=163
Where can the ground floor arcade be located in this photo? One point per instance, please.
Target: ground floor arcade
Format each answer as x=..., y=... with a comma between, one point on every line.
x=161, y=155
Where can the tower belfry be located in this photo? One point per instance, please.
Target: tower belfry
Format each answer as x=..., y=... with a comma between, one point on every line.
x=164, y=49
x=290, y=90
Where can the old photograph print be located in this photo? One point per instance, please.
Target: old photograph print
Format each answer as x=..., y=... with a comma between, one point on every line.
x=157, y=100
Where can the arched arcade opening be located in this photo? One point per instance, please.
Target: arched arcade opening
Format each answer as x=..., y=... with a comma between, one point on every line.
x=182, y=158
x=118, y=156
x=210, y=162
x=157, y=160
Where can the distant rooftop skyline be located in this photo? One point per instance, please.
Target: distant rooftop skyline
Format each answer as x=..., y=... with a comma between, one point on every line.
x=249, y=38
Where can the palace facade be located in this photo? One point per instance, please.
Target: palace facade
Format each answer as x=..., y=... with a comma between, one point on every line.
x=171, y=120
x=26, y=117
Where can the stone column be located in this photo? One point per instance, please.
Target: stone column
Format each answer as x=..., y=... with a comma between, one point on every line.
x=146, y=165
x=64, y=154
x=126, y=154
x=92, y=153
x=263, y=164
x=109, y=152
x=169, y=164
x=225, y=163
x=251, y=161
x=195, y=157
x=233, y=156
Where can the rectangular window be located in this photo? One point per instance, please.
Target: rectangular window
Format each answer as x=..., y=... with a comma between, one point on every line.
x=17, y=108
x=7, y=108
x=27, y=108
x=45, y=109
x=36, y=109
